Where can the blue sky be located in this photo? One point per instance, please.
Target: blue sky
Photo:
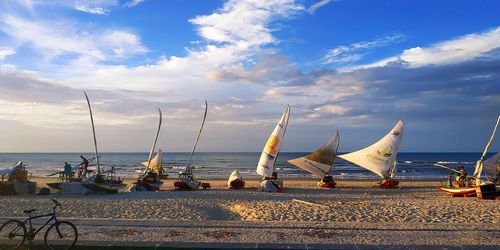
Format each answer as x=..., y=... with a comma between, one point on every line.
x=355, y=66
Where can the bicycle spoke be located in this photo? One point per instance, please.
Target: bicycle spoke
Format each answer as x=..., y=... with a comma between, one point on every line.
x=12, y=234
x=61, y=235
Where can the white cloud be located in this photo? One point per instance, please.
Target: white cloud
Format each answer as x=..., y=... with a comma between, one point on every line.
x=57, y=38
x=133, y=3
x=5, y=52
x=351, y=53
x=318, y=5
x=456, y=50
x=84, y=7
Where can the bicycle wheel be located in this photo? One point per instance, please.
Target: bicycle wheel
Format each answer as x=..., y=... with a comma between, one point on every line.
x=61, y=235
x=12, y=234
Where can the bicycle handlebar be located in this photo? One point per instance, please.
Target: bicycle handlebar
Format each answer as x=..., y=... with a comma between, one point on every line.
x=57, y=204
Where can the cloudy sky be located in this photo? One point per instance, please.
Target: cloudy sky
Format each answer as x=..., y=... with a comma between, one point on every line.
x=352, y=66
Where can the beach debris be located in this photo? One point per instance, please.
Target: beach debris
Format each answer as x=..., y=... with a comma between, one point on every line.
x=308, y=203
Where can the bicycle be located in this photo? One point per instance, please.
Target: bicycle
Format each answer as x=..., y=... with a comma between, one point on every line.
x=60, y=234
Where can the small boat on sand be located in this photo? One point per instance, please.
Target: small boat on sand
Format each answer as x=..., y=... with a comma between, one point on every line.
x=380, y=157
x=185, y=179
x=476, y=183
x=150, y=180
x=16, y=180
x=71, y=184
x=101, y=181
x=320, y=162
x=235, y=180
x=266, y=166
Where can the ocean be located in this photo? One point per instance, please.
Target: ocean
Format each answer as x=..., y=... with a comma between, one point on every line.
x=220, y=165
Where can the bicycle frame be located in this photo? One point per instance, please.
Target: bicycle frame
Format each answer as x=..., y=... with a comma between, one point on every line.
x=30, y=218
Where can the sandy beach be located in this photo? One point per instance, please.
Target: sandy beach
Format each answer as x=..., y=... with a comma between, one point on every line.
x=351, y=216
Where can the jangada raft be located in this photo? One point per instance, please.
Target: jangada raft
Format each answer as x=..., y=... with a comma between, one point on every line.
x=380, y=158
x=267, y=161
x=16, y=180
x=150, y=180
x=235, y=180
x=101, y=181
x=320, y=162
x=477, y=185
x=185, y=180
x=71, y=184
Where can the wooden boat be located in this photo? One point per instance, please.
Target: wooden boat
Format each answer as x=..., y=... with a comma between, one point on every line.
x=490, y=167
x=320, y=162
x=71, y=185
x=16, y=180
x=185, y=179
x=101, y=181
x=151, y=179
x=463, y=191
x=266, y=166
x=235, y=180
x=380, y=157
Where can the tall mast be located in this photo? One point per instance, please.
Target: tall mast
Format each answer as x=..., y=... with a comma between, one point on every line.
x=156, y=139
x=287, y=115
x=188, y=167
x=93, y=132
x=479, y=163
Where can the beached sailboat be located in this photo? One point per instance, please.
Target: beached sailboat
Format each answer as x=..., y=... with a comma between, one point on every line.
x=487, y=165
x=71, y=184
x=17, y=181
x=380, y=157
x=235, y=180
x=185, y=180
x=150, y=180
x=266, y=166
x=320, y=162
x=101, y=181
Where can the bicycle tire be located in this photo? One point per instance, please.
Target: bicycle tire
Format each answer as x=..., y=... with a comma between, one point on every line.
x=53, y=239
x=5, y=240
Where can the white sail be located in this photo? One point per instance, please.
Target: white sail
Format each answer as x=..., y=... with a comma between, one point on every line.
x=155, y=164
x=319, y=162
x=381, y=156
x=265, y=167
x=490, y=166
x=479, y=164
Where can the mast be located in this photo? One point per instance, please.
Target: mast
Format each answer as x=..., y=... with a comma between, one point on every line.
x=93, y=132
x=188, y=168
x=479, y=163
x=156, y=139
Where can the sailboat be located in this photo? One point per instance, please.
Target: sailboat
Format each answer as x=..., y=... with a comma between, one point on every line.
x=380, y=157
x=71, y=184
x=151, y=179
x=101, y=181
x=185, y=180
x=320, y=162
x=18, y=180
x=266, y=166
x=487, y=165
x=235, y=180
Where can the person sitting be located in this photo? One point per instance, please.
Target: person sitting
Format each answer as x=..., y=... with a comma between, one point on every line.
x=463, y=176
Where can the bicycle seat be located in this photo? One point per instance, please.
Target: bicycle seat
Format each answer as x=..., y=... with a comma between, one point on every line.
x=28, y=211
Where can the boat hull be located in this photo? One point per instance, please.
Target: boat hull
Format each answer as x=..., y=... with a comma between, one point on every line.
x=326, y=184
x=470, y=191
x=55, y=185
x=389, y=184
x=110, y=188
x=14, y=187
x=237, y=184
x=186, y=185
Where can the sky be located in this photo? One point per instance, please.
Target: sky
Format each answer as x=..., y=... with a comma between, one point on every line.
x=353, y=66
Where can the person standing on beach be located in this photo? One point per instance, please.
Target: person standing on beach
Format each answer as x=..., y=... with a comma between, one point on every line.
x=85, y=165
x=67, y=171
